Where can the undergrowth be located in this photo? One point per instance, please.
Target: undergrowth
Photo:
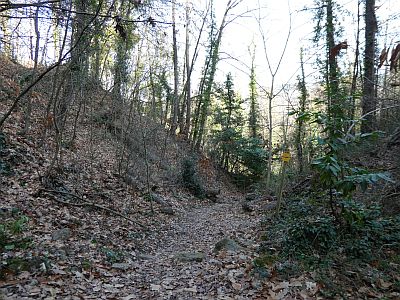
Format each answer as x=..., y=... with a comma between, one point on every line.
x=13, y=227
x=305, y=237
x=191, y=179
x=5, y=168
x=11, y=231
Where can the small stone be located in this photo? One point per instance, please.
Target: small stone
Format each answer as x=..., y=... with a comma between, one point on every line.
x=190, y=256
x=270, y=206
x=168, y=210
x=256, y=284
x=237, y=286
x=145, y=257
x=243, y=257
x=227, y=244
x=247, y=207
x=155, y=287
x=61, y=234
x=120, y=266
x=61, y=254
x=191, y=289
x=215, y=262
x=252, y=196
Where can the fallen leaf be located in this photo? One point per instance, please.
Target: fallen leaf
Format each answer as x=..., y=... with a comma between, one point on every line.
x=97, y=288
x=384, y=285
x=129, y=297
x=281, y=285
x=155, y=287
x=191, y=289
x=310, y=285
x=237, y=286
x=24, y=275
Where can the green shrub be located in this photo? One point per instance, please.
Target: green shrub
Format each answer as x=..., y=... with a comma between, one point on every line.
x=10, y=232
x=312, y=234
x=366, y=229
x=2, y=141
x=191, y=179
x=308, y=231
x=113, y=256
x=5, y=168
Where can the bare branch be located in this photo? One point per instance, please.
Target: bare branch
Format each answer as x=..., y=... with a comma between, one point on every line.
x=9, y=5
x=87, y=203
x=45, y=72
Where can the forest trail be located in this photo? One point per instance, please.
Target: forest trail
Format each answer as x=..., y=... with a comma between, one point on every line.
x=184, y=263
x=176, y=260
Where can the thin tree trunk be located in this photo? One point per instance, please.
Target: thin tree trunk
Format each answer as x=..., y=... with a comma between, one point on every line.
x=332, y=73
x=188, y=74
x=253, y=115
x=153, y=95
x=210, y=80
x=270, y=133
x=300, y=122
x=271, y=93
x=175, y=105
x=28, y=110
x=355, y=68
x=7, y=39
x=369, y=99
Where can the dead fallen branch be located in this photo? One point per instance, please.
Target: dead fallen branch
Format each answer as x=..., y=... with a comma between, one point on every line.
x=89, y=204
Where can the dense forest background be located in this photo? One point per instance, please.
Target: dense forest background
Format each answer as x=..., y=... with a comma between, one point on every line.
x=123, y=48
x=148, y=103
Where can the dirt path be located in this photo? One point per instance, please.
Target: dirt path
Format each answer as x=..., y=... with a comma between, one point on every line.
x=177, y=261
x=169, y=274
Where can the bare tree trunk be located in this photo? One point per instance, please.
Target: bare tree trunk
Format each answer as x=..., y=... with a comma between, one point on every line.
x=188, y=77
x=28, y=109
x=369, y=99
x=188, y=74
x=271, y=94
x=355, y=68
x=182, y=100
x=97, y=53
x=332, y=72
x=153, y=95
x=175, y=105
x=214, y=58
x=300, y=121
x=6, y=42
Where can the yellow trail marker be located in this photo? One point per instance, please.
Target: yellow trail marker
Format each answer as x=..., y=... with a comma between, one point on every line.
x=286, y=156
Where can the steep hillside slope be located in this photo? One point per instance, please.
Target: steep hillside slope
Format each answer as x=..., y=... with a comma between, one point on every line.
x=87, y=208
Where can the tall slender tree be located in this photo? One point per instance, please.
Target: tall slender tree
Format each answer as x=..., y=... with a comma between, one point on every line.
x=124, y=43
x=271, y=92
x=300, y=121
x=332, y=83
x=229, y=121
x=188, y=73
x=254, y=124
x=175, y=104
x=369, y=99
x=211, y=67
x=355, y=73
x=28, y=109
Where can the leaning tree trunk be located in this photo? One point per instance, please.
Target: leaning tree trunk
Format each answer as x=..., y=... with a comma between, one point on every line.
x=210, y=80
